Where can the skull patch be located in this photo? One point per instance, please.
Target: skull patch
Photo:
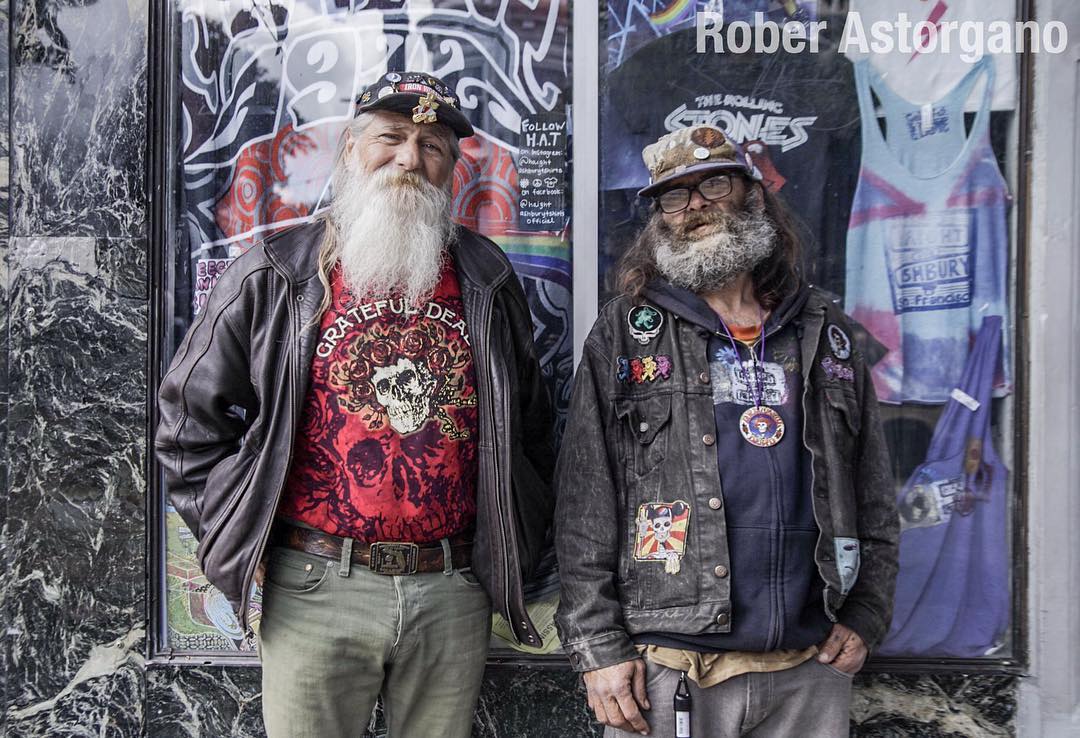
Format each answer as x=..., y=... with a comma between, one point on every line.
x=661, y=533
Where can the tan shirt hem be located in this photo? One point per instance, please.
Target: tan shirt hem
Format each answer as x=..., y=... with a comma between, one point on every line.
x=709, y=669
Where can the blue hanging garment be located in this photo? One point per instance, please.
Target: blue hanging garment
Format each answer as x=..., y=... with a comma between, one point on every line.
x=952, y=593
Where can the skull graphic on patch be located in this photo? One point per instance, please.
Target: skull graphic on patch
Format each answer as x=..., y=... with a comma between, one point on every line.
x=645, y=323
x=661, y=533
x=839, y=342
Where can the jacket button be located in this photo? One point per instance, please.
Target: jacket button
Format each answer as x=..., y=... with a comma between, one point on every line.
x=703, y=377
x=716, y=503
x=722, y=619
x=720, y=571
x=643, y=427
x=708, y=439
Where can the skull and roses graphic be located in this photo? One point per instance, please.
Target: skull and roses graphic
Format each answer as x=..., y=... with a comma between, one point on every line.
x=404, y=378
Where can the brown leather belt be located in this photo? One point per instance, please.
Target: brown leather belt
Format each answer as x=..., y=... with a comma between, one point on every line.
x=382, y=557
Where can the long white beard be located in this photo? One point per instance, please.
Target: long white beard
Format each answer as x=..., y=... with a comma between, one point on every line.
x=394, y=228
x=738, y=244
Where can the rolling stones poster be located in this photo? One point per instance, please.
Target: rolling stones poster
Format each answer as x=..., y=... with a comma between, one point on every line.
x=266, y=88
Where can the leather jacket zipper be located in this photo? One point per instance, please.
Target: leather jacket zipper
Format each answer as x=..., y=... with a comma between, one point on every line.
x=294, y=364
x=813, y=478
x=489, y=394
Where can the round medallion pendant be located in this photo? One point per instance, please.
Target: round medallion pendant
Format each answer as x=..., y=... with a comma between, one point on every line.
x=762, y=426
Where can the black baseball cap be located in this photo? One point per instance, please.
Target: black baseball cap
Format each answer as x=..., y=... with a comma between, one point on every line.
x=423, y=96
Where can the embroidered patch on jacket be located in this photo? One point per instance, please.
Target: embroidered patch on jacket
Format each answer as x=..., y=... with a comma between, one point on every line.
x=642, y=369
x=847, y=562
x=645, y=323
x=735, y=381
x=835, y=370
x=839, y=342
x=661, y=533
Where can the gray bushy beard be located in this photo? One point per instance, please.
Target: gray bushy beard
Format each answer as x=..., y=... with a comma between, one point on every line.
x=709, y=262
x=394, y=228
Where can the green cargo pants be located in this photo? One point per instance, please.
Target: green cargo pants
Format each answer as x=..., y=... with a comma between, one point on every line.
x=330, y=644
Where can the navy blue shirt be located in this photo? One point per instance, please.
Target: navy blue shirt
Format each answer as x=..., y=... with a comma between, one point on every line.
x=776, y=591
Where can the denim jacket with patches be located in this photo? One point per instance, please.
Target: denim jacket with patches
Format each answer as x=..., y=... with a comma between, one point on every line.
x=628, y=443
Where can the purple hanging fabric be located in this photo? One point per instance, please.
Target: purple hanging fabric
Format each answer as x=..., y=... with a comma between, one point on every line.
x=952, y=593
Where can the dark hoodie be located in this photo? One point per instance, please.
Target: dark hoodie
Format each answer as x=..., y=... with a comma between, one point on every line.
x=775, y=586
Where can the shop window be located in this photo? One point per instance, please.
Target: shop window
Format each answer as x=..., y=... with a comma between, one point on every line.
x=260, y=93
x=901, y=171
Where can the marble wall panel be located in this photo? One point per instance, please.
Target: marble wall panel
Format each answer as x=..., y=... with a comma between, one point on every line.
x=534, y=703
x=78, y=129
x=934, y=706
x=75, y=528
x=5, y=147
x=518, y=702
x=203, y=701
x=4, y=220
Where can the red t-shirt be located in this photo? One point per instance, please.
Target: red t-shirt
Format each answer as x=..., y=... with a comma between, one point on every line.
x=386, y=449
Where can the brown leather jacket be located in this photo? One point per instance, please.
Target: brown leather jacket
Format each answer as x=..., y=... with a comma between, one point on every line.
x=231, y=402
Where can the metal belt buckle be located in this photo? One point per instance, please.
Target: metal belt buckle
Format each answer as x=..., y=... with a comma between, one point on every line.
x=394, y=558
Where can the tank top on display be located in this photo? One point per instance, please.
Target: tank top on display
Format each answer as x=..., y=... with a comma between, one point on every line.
x=927, y=247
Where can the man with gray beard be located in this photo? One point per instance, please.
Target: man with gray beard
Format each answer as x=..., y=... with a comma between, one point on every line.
x=357, y=422
x=725, y=525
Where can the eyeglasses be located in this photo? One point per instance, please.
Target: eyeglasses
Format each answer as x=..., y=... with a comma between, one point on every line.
x=713, y=188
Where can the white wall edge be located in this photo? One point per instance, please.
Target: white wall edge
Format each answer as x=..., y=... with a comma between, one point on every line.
x=1049, y=698
x=586, y=187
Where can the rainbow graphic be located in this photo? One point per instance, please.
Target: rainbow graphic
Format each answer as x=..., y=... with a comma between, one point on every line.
x=672, y=14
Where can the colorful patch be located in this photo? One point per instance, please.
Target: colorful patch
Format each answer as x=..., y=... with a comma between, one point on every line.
x=835, y=370
x=642, y=369
x=424, y=112
x=729, y=380
x=708, y=136
x=839, y=342
x=661, y=533
x=645, y=323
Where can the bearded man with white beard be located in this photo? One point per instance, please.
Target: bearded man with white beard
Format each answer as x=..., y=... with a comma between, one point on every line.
x=357, y=422
x=725, y=520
